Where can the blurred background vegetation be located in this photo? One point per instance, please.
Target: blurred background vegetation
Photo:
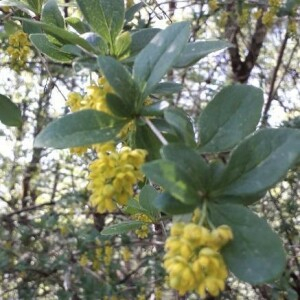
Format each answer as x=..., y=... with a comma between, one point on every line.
x=50, y=242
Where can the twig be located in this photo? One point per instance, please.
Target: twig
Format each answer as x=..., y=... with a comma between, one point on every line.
x=29, y=208
x=155, y=131
x=273, y=80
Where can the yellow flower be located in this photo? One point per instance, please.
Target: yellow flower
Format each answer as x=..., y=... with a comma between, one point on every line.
x=193, y=261
x=108, y=253
x=18, y=49
x=83, y=261
x=113, y=175
x=142, y=232
x=126, y=254
x=213, y=5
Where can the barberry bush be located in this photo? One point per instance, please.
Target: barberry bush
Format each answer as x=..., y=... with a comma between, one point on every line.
x=185, y=183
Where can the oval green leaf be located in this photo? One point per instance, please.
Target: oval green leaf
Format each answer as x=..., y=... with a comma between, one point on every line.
x=10, y=114
x=255, y=255
x=82, y=128
x=226, y=119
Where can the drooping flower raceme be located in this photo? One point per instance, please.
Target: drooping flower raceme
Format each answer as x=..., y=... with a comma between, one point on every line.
x=112, y=177
x=193, y=261
x=18, y=49
x=95, y=98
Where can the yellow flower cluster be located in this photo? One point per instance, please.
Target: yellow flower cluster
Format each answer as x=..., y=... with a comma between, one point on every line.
x=112, y=177
x=213, y=5
x=108, y=253
x=143, y=231
x=95, y=98
x=18, y=49
x=269, y=16
x=193, y=261
x=243, y=17
x=126, y=254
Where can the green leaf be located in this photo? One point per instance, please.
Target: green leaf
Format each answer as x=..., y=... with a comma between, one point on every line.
x=120, y=80
x=31, y=28
x=259, y=162
x=146, y=200
x=144, y=138
x=121, y=228
x=118, y=106
x=77, y=24
x=171, y=206
x=153, y=62
x=11, y=27
x=52, y=15
x=173, y=179
x=226, y=119
x=105, y=17
x=36, y=5
x=82, y=128
x=191, y=162
x=140, y=39
x=196, y=51
x=41, y=42
x=131, y=11
x=166, y=88
x=63, y=35
x=122, y=46
x=255, y=255
x=182, y=124
x=10, y=114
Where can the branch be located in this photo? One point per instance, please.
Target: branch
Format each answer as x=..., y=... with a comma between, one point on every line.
x=29, y=208
x=273, y=80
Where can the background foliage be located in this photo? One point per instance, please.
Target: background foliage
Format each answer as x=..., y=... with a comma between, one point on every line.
x=51, y=246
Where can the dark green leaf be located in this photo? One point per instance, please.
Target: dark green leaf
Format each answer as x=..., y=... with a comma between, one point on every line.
x=52, y=15
x=144, y=138
x=169, y=205
x=226, y=119
x=146, y=200
x=167, y=88
x=256, y=254
x=191, y=162
x=195, y=51
x=41, y=42
x=30, y=27
x=259, y=162
x=158, y=56
x=118, y=106
x=105, y=17
x=140, y=39
x=121, y=228
x=120, y=80
x=82, y=128
x=63, y=35
x=182, y=124
x=10, y=114
x=131, y=11
x=173, y=179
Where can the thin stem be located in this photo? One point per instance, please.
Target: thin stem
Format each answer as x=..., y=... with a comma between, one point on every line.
x=155, y=131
